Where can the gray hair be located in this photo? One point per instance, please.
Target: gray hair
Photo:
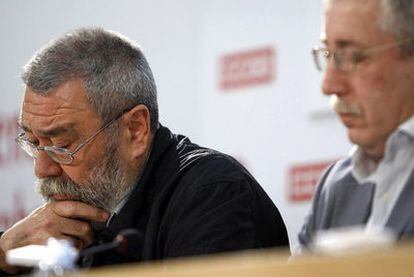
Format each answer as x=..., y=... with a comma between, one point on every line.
x=398, y=20
x=116, y=73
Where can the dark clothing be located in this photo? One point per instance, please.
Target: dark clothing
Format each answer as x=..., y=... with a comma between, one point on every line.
x=191, y=201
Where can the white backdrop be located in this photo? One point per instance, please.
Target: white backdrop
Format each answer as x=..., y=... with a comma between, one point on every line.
x=269, y=126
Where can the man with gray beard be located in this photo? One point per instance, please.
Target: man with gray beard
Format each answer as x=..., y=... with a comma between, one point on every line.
x=104, y=187
x=104, y=163
x=368, y=64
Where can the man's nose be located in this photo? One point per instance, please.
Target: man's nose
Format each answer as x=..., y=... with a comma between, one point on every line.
x=46, y=167
x=334, y=80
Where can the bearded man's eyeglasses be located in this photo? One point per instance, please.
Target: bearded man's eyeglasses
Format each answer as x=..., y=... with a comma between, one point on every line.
x=347, y=59
x=59, y=154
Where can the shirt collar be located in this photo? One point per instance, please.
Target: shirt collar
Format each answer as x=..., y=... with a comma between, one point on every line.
x=363, y=167
x=118, y=207
x=408, y=126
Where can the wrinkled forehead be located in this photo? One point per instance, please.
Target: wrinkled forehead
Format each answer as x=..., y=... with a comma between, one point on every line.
x=59, y=108
x=353, y=22
x=355, y=7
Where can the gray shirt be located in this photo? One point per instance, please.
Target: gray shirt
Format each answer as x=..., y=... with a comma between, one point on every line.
x=389, y=175
x=353, y=192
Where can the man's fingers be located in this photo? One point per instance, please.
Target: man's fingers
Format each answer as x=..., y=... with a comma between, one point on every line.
x=74, y=209
x=79, y=230
x=66, y=218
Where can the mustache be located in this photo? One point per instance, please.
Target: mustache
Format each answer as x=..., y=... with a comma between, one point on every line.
x=340, y=106
x=57, y=185
x=48, y=187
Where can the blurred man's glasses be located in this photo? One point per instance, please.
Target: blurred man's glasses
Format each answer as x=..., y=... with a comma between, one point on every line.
x=347, y=59
x=59, y=154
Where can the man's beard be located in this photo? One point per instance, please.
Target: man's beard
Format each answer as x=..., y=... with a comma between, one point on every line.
x=107, y=184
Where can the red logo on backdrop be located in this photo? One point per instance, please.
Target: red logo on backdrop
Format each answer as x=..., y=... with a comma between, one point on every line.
x=248, y=68
x=302, y=180
x=10, y=152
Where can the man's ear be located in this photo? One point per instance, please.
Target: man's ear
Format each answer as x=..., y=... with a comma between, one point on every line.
x=137, y=131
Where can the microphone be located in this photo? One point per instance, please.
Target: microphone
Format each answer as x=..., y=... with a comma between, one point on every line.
x=55, y=254
x=126, y=243
x=61, y=255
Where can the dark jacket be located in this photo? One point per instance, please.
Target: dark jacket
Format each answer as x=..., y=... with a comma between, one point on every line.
x=191, y=201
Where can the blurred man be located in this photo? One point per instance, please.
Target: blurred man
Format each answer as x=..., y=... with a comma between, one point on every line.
x=368, y=62
x=90, y=121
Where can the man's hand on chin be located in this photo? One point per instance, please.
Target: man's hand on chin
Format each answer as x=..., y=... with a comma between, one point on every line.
x=62, y=220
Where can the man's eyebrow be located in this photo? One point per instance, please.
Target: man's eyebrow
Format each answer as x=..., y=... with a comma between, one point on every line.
x=58, y=130
x=344, y=43
x=339, y=43
x=52, y=132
